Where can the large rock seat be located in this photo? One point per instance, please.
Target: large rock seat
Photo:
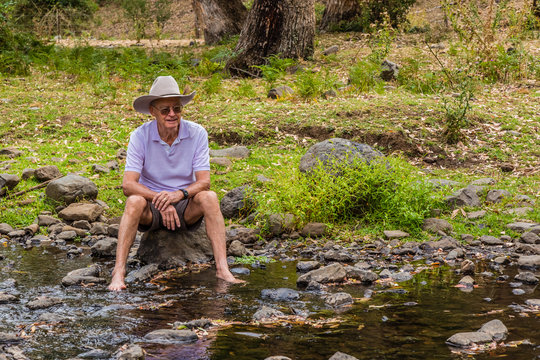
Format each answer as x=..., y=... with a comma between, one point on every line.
x=171, y=249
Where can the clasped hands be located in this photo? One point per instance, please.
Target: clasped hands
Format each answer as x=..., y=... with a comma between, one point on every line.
x=163, y=202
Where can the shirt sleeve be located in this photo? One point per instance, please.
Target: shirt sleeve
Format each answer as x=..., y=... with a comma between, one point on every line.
x=201, y=160
x=135, y=153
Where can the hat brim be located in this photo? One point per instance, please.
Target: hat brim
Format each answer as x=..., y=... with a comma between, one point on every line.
x=142, y=103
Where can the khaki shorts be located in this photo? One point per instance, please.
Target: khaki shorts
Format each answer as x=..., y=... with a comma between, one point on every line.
x=157, y=220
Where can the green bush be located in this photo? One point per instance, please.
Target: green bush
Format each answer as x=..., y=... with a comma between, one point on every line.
x=274, y=69
x=364, y=76
x=313, y=84
x=413, y=77
x=213, y=85
x=388, y=192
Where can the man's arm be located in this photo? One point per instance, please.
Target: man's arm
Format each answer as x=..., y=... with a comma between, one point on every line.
x=163, y=199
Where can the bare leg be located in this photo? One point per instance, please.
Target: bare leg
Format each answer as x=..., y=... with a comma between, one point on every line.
x=206, y=203
x=136, y=210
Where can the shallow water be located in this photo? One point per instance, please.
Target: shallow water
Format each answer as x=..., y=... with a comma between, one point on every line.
x=409, y=322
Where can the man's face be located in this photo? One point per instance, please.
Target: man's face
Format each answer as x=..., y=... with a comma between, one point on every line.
x=167, y=112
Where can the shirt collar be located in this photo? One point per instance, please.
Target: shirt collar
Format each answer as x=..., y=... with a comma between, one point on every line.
x=184, y=131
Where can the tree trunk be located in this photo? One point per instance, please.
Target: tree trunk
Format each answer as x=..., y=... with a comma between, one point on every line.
x=337, y=11
x=218, y=18
x=285, y=28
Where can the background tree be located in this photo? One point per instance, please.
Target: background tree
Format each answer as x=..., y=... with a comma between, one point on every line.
x=218, y=18
x=337, y=11
x=359, y=15
x=285, y=28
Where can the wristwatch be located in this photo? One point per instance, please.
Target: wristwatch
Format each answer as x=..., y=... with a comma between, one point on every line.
x=184, y=191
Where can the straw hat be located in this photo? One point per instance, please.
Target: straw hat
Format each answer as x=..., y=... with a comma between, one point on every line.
x=162, y=88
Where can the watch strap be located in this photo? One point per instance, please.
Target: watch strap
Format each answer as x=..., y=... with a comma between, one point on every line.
x=186, y=194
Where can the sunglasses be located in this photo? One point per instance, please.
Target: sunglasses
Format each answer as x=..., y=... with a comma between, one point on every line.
x=167, y=110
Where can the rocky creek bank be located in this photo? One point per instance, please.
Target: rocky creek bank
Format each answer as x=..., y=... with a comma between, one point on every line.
x=324, y=267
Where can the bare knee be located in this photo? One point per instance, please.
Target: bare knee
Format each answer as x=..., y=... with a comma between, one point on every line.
x=135, y=205
x=206, y=198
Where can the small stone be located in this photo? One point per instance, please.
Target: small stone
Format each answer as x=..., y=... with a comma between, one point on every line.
x=484, y=181
x=530, y=238
x=339, y=299
x=468, y=267
x=7, y=298
x=133, y=352
x=434, y=225
x=530, y=261
x=95, y=354
x=496, y=196
x=507, y=167
x=527, y=277
x=281, y=294
x=121, y=154
x=491, y=240
x=99, y=228
x=5, y=228
x=342, y=356
x=518, y=291
x=305, y=266
x=533, y=302
x=280, y=92
x=67, y=235
x=28, y=173
x=495, y=329
x=82, y=224
x=112, y=165
x=467, y=281
x=47, y=173
x=100, y=169
x=238, y=152
x=170, y=336
x=395, y=234
x=266, y=313
x=236, y=248
x=331, y=50
x=313, y=230
x=240, y=271
x=43, y=302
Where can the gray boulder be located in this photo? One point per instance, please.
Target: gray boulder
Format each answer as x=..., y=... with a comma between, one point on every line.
x=280, y=223
x=83, y=276
x=281, y=294
x=484, y=181
x=171, y=249
x=266, y=312
x=466, y=339
x=530, y=261
x=527, y=277
x=46, y=220
x=5, y=229
x=280, y=91
x=338, y=299
x=395, y=234
x=305, y=266
x=71, y=188
x=331, y=50
x=464, y=197
x=337, y=149
x=327, y=274
x=236, y=248
x=81, y=211
x=11, y=152
x=439, y=183
x=496, y=196
x=238, y=202
x=170, y=336
x=342, y=356
x=366, y=276
x=530, y=238
x=390, y=70
x=239, y=152
x=144, y=273
x=46, y=173
x=7, y=298
x=491, y=240
x=313, y=230
x=9, y=181
x=521, y=226
x=242, y=234
x=133, y=352
x=43, y=302
x=435, y=225
x=495, y=329
x=104, y=248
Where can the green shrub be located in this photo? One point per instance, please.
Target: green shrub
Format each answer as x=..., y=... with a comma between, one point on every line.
x=388, y=192
x=364, y=76
x=213, y=85
x=313, y=84
x=275, y=68
x=455, y=110
x=413, y=77
x=245, y=89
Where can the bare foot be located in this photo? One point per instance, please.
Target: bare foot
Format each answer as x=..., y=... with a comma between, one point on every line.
x=117, y=283
x=228, y=276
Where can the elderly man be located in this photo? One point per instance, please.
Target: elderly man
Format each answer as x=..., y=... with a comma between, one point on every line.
x=167, y=178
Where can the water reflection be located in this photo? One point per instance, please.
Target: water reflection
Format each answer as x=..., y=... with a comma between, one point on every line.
x=412, y=323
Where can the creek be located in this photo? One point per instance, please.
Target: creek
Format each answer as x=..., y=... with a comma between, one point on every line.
x=409, y=321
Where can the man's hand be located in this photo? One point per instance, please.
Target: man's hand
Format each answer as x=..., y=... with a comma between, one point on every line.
x=165, y=198
x=170, y=218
